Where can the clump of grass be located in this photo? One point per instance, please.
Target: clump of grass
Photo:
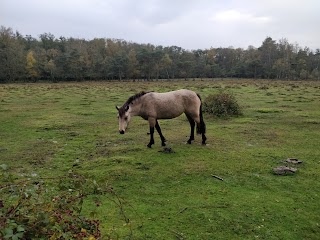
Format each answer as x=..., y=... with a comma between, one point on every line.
x=269, y=110
x=264, y=87
x=222, y=105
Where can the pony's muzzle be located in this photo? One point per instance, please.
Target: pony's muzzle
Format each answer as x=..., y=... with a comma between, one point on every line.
x=121, y=131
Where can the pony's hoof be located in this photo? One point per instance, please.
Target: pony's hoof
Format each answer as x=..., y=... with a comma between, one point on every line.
x=149, y=145
x=163, y=144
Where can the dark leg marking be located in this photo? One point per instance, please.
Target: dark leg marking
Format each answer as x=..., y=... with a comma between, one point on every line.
x=163, y=140
x=203, y=131
x=151, y=137
x=204, y=138
x=192, y=125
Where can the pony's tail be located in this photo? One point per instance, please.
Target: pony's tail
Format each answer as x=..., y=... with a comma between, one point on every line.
x=201, y=127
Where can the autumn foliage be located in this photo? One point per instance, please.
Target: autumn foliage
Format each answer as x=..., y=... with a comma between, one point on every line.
x=67, y=59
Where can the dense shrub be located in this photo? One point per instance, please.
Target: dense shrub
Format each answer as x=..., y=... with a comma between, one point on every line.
x=222, y=105
x=29, y=209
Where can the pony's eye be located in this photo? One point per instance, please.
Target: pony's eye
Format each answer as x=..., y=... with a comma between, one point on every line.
x=126, y=118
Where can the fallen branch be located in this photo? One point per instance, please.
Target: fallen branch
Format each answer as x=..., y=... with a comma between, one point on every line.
x=178, y=235
x=217, y=177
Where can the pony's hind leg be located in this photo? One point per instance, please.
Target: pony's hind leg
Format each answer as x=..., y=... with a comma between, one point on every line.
x=163, y=140
x=192, y=125
x=201, y=129
x=204, y=138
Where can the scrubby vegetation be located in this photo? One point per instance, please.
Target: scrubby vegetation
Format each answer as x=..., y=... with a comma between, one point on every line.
x=222, y=104
x=47, y=208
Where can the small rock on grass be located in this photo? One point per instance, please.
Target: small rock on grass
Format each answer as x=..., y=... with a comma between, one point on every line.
x=284, y=170
x=293, y=161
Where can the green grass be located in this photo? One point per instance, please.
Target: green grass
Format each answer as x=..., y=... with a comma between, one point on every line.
x=46, y=128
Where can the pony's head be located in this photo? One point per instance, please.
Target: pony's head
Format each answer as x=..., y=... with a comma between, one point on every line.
x=124, y=117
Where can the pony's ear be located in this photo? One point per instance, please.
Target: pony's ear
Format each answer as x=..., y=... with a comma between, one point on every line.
x=117, y=108
x=127, y=108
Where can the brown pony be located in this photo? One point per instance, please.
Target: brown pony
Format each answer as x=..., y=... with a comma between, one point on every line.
x=152, y=106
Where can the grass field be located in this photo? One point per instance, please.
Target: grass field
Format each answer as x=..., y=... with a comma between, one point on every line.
x=48, y=130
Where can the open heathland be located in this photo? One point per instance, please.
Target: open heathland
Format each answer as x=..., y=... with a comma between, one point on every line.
x=224, y=190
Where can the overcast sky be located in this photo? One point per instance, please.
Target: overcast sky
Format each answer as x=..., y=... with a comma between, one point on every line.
x=190, y=24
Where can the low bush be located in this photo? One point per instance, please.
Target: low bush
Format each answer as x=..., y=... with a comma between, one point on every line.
x=29, y=209
x=222, y=105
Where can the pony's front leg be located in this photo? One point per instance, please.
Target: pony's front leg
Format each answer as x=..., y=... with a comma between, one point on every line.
x=152, y=123
x=163, y=140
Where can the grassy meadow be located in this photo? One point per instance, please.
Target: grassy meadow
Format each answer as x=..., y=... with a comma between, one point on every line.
x=48, y=130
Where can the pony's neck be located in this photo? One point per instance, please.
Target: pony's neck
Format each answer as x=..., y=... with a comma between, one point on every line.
x=135, y=109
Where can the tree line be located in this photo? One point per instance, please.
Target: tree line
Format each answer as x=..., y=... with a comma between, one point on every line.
x=25, y=58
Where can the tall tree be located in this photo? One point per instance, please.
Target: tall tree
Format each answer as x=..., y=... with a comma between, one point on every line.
x=96, y=55
x=285, y=58
x=117, y=58
x=200, y=63
x=47, y=40
x=252, y=61
x=211, y=66
x=165, y=64
x=268, y=52
x=175, y=54
x=146, y=61
x=31, y=68
x=12, y=56
x=119, y=64
x=132, y=70
x=51, y=69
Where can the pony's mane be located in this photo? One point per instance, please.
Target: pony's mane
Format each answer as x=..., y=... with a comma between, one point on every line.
x=134, y=97
x=124, y=108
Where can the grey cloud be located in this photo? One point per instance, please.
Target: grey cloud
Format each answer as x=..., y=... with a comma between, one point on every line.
x=186, y=23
